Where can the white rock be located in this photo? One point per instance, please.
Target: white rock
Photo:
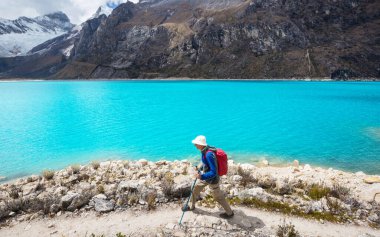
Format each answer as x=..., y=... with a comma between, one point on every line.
x=265, y=162
x=101, y=196
x=105, y=164
x=360, y=173
x=130, y=185
x=234, y=192
x=29, y=188
x=248, y=167
x=253, y=192
x=296, y=163
x=307, y=167
x=236, y=178
x=374, y=217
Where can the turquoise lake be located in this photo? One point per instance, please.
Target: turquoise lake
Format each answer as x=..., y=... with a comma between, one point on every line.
x=52, y=124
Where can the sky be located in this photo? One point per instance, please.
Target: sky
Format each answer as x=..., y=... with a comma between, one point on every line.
x=77, y=10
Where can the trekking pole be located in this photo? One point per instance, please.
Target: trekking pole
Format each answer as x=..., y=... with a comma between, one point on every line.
x=187, y=202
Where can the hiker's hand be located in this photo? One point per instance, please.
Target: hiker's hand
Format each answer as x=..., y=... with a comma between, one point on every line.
x=197, y=176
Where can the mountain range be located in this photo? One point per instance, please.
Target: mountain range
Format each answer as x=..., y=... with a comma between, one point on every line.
x=18, y=36
x=214, y=39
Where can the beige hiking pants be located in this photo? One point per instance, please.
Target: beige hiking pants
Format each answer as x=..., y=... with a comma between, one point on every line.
x=217, y=193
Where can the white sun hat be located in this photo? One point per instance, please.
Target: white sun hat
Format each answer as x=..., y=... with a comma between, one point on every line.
x=200, y=140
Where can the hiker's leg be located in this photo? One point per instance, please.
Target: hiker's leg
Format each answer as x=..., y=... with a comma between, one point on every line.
x=199, y=186
x=220, y=198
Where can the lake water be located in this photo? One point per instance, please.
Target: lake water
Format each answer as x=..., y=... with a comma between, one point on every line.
x=52, y=124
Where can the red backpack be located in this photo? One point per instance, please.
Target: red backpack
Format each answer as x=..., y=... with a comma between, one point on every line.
x=222, y=161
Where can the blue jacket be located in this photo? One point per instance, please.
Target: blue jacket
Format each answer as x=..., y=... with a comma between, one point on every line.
x=209, y=167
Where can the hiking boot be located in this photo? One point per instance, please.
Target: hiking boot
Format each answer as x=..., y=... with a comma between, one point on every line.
x=226, y=216
x=187, y=208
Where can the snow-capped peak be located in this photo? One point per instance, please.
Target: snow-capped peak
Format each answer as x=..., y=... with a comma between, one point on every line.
x=19, y=36
x=107, y=8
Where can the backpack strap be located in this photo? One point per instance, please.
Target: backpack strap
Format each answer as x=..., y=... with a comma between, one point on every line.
x=215, y=159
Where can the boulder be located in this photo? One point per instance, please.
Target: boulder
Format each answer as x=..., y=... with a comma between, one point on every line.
x=110, y=189
x=29, y=188
x=253, y=193
x=101, y=204
x=182, y=186
x=283, y=187
x=374, y=218
x=372, y=180
x=72, y=201
x=54, y=208
x=130, y=185
x=67, y=199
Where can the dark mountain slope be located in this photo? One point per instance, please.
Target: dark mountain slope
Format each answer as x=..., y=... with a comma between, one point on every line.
x=222, y=39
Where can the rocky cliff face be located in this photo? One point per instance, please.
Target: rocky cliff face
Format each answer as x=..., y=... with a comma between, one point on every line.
x=221, y=39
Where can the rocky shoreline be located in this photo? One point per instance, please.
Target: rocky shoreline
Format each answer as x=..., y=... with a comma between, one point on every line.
x=325, y=195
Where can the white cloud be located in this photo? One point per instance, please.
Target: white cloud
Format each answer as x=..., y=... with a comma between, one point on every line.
x=77, y=10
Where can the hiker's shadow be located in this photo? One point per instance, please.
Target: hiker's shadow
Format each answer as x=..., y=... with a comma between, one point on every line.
x=240, y=219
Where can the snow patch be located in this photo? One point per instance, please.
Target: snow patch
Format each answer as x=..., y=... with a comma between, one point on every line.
x=14, y=44
x=67, y=51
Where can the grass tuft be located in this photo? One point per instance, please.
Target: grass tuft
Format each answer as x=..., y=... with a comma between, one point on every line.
x=287, y=230
x=75, y=168
x=167, y=185
x=48, y=174
x=95, y=164
x=151, y=200
x=318, y=191
x=247, y=178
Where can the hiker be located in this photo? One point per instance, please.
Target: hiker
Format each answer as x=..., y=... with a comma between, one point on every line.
x=208, y=176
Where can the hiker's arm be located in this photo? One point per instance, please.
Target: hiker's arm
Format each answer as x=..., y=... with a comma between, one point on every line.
x=210, y=157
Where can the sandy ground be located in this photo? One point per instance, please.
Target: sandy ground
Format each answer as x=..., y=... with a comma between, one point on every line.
x=143, y=223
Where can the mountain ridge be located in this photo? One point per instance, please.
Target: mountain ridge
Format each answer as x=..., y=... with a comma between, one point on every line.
x=219, y=39
x=18, y=36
